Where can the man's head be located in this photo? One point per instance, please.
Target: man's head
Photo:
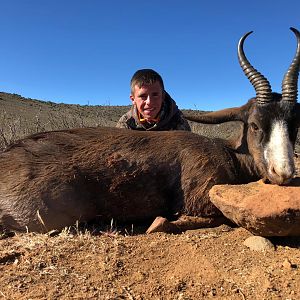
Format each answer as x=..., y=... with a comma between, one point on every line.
x=147, y=92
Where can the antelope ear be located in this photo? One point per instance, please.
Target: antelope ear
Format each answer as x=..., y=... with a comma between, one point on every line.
x=225, y=115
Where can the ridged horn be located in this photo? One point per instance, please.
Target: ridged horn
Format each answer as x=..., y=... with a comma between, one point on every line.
x=290, y=80
x=259, y=82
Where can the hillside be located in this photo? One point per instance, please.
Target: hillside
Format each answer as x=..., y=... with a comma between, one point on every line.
x=33, y=109
x=21, y=116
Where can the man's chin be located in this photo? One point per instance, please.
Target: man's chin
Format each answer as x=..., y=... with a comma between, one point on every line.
x=149, y=116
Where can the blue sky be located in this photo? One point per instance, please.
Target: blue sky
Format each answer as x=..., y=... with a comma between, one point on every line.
x=85, y=51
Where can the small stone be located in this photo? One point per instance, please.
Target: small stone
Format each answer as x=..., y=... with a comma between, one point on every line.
x=213, y=292
x=287, y=264
x=258, y=243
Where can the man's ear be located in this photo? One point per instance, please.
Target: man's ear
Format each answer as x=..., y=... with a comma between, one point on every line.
x=132, y=99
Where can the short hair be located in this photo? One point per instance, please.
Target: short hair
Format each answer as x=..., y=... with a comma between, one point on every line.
x=145, y=77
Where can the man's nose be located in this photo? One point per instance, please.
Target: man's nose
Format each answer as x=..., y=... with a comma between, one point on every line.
x=148, y=100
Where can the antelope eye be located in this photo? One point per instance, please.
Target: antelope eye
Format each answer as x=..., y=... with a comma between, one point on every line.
x=254, y=127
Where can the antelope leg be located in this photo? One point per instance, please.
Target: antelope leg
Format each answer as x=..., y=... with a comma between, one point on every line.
x=184, y=223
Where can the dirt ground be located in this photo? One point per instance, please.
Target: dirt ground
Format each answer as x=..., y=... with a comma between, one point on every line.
x=199, y=264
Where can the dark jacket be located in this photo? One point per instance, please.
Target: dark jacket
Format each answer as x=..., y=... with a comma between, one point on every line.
x=170, y=118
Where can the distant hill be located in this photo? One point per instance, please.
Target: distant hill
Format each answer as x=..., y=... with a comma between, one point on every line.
x=21, y=116
x=47, y=111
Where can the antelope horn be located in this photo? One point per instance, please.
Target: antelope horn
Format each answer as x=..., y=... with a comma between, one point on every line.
x=290, y=80
x=259, y=82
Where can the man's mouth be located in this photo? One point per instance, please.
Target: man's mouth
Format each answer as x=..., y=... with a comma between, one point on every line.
x=148, y=110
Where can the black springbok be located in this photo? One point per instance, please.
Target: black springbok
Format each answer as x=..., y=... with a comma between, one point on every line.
x=52, y=179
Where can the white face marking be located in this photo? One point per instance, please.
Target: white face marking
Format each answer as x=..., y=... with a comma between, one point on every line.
x=279, y=151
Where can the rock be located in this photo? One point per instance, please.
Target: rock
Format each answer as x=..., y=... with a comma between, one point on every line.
x=287, y=264
x=263, y=209
x=259, y=243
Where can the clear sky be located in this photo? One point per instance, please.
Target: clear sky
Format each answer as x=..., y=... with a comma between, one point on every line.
x=85, y=51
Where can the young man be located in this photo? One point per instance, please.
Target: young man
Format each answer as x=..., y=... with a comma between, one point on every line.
x=153, y=108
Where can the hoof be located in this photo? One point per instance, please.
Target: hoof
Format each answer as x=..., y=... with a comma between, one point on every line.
x=161, y=224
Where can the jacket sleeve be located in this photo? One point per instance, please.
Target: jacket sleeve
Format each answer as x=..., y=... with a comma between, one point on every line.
x=122, y=122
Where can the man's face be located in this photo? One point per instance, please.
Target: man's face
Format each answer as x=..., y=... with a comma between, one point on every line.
x=148, y=99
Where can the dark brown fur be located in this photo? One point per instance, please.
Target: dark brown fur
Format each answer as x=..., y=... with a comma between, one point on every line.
x=50, y=180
